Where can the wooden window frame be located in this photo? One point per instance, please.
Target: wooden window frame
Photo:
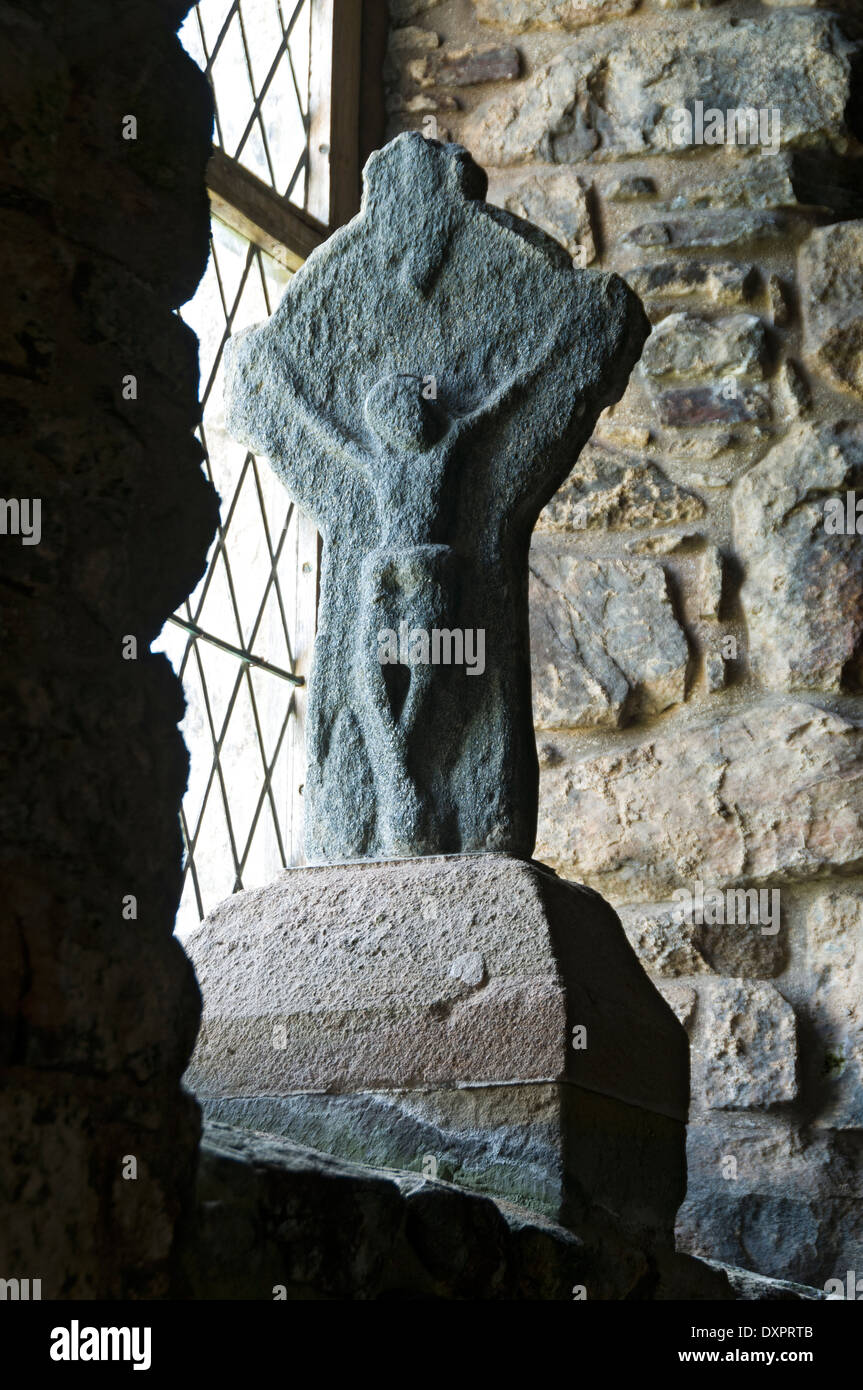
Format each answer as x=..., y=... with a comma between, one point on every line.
x=346, y=42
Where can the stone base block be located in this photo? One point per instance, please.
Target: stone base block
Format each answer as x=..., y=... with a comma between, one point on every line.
x=471, y=1017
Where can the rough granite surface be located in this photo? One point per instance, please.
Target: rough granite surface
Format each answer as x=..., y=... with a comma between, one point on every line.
x=278, y=1220
x=423, y=388
x=473, y=1007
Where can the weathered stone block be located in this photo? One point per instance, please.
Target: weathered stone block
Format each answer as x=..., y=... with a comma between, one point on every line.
x=726, y=403
x=557, y=202
x=615, y=92
x=773, y=792
x=713, y=670
x=831, y=294
x=710, y=580
x=834, y=1003
x=764, y=1194
x=610, y=490
x=781, y=300
x=389, y=1011
x=794, y=390
x=708, y=229
x=273, y=1214
x=749, y=1057
x=685, y=345
x=464, y=67
x=607, y=647
x=722, y=282
x=665, y=944
x=669, y=946
x=789, y=557
x=765, y=181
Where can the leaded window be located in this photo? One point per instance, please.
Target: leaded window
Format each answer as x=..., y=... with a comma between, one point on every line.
x=241, y=643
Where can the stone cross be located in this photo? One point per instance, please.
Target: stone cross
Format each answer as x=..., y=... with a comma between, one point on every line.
x=422, y=390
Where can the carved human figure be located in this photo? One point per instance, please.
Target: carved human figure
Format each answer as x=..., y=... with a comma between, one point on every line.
x=423, y=388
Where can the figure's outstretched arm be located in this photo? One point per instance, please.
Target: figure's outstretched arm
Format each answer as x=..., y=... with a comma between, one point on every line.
x=545, y=412
x=265, y=410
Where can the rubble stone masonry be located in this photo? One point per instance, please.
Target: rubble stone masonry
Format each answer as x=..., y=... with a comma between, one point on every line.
x=696, y=628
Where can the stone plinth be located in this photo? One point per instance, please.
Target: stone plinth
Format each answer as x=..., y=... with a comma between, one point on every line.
x=473, y=1017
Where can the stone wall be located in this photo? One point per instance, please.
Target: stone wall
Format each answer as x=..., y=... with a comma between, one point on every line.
x=275, y=1220
x=697, y=630
x=103, y=236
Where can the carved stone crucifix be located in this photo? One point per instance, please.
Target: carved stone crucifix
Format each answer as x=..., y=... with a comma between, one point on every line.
x=422, y=390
